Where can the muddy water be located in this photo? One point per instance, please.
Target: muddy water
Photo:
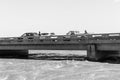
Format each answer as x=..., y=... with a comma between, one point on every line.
x=16, y=69
x=21, y=69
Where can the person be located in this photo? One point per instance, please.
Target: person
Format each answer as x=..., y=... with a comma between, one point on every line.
x=86, y=32
x=39, y=33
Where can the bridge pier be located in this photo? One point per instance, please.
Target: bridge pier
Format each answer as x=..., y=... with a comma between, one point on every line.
x=100, y=55
x=13, y=53
x=92, y=52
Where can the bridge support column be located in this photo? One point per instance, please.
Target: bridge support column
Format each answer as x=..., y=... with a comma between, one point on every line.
x=14, y=53
x=92, y=52
x=99, y=55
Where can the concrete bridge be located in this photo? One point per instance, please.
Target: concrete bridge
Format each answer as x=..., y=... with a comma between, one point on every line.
x=98, y=46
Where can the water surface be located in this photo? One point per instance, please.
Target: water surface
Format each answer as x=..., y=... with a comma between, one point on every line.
x=21, y=69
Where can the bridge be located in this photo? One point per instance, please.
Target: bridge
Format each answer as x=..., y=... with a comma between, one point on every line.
x=98, y=46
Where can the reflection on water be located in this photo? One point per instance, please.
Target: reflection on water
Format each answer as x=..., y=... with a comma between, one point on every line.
x=58, y=54
x=21, y=69
x=62, y=52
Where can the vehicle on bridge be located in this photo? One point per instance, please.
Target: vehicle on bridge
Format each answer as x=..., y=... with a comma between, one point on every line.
x=48, y=37
x=69, y=37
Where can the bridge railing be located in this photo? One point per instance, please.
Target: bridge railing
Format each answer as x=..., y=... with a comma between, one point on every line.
x=107, y=36
x=42, y=39
x=61, y=38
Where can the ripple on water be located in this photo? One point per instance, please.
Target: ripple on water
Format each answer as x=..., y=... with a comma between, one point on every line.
x=57, y=70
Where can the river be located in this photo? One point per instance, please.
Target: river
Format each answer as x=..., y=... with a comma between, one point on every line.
x=28, y=69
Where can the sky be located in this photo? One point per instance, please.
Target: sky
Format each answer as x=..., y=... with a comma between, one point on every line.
x=58, y=16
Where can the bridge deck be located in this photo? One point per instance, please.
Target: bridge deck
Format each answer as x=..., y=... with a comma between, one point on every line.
x=74, y=43
x=96, y=44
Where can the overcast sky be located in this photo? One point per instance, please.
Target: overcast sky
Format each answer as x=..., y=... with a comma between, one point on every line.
x=59, y=16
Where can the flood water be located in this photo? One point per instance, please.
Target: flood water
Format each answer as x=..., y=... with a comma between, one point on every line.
x=23, y=69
